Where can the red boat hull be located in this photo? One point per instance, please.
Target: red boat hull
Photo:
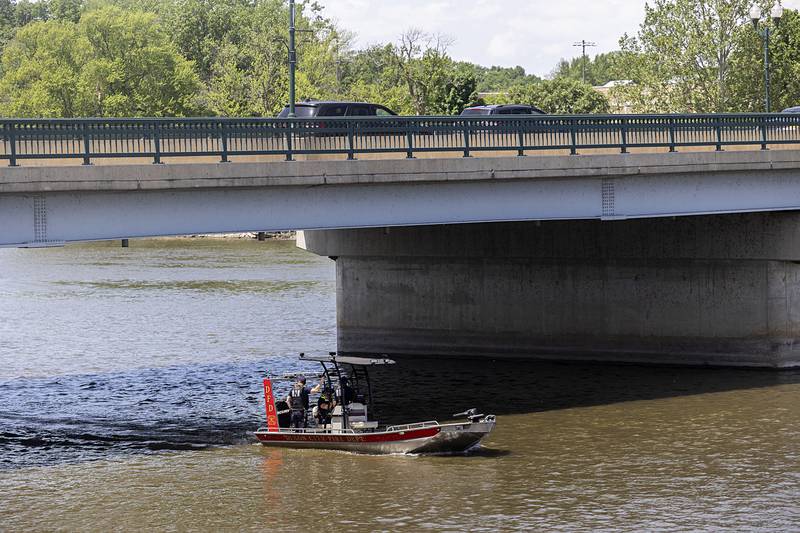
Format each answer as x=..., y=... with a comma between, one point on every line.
x=447, y=438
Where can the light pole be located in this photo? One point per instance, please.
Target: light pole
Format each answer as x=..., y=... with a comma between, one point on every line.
x=292, y=58
x=756, y=17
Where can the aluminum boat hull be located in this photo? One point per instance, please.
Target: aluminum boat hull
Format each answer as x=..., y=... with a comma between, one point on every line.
x=432, y=439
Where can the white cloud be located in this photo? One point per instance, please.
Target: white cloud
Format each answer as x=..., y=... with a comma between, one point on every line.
x=531, y=33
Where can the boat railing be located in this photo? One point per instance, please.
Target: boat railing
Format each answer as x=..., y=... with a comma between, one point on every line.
x=306, y=430
x=416, y=425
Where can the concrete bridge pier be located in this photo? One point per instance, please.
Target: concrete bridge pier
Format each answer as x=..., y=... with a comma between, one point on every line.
x=702, y=290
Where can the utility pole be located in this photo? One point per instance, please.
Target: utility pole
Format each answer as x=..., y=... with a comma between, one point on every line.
x=292, y=59
x=583, y=44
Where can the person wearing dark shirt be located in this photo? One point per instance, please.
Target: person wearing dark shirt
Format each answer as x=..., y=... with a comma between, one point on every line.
x=325, y=402
x=298, y=403
x=345, y=393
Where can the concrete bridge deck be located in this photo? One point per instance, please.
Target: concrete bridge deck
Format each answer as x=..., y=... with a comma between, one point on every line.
x=51, y=205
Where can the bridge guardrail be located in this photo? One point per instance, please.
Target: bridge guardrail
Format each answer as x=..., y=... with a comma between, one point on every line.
x=157, y=138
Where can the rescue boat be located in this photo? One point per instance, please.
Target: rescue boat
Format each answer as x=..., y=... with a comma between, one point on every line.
x=349, y=426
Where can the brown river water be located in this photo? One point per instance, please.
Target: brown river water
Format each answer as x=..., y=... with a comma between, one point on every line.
x=130, y=385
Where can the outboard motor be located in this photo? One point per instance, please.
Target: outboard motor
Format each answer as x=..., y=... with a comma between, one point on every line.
x=471, y=414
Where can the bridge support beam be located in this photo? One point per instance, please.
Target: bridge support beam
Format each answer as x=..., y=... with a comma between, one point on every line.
x=705, y=290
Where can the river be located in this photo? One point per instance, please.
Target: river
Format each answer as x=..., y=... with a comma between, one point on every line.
x=130, y=385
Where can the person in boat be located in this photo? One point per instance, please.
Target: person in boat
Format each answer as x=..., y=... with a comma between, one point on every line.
x=322, y=412
x=298, y=403
x=345, y=394
x=324, y=408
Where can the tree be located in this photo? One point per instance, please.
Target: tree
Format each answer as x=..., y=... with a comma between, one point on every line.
x=498, y=79
x=250, y=77
x=41, y=69
x=134, y=69
x=560, y=96
x=201, y=28
x=111, y=63
x=394, y=97
x=376, y=64
x=458, y=92
x=600, y=69
x=7, y=21
x=66, y=10
x=747, y=66
x=423, y=64
x=682, y=57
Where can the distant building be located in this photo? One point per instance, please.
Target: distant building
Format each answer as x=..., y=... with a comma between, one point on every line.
x=616, y=105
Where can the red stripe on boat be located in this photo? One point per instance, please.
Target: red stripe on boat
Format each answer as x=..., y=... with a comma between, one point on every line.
x=348, y=437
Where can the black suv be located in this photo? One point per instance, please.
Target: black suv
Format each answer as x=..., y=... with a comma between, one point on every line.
x=315, y=108
x=502, y=109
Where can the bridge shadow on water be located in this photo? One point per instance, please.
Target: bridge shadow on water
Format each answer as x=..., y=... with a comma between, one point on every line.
x=78, y=418
x=438, y=387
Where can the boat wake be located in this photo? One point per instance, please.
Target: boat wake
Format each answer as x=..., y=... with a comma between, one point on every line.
x=79, y=418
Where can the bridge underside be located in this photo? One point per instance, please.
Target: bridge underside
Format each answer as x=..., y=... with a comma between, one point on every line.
x=42, y=206
x=706, y=290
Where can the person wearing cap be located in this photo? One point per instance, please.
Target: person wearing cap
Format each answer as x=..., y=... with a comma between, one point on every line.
x=298, y=403
x=322, y=412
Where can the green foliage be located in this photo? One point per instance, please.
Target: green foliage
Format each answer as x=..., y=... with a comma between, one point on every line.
x=41, y=69
x=375, y=64
x=600, y=69
x=682, y=58
x=184, y=57
x=7, y=21
x=747, y=76
x=249, y=75
x=394, y=97
x=111, y=63
x=27, y=11
x=66, y=10
x=456, y=93
x=560, y=96
x=498, y=79
x=134, y=69
x=201, y=28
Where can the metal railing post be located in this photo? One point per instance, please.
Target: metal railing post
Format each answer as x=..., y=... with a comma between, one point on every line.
x=156, y=144
x=87, y=144
x=521, y=138
x=12, y=141
x=719, y=136
x=763, y=133
x=409, y=142
x=289, y=126
x=350, y=149
x=671, y=134
x=224, y=139
x=573, y=139
x=466, y=138
x=624, y=126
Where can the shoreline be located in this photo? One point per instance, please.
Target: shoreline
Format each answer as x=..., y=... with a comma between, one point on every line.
x=253, y=235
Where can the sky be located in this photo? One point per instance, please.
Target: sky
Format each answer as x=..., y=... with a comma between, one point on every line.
x=532, y=33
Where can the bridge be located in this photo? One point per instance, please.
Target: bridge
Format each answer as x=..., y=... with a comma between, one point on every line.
x=659, y=238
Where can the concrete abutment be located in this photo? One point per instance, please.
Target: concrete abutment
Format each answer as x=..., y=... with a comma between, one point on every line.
x=704, y=290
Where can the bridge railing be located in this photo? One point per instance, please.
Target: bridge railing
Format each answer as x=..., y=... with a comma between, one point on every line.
x=156, y=138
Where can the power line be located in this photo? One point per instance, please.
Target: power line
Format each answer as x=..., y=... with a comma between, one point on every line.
x=583, y=44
